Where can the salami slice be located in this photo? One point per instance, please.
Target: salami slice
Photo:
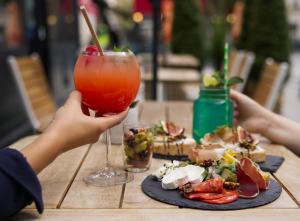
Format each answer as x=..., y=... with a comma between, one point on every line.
x=204, y=196
x=229, y=196
x=209, y=186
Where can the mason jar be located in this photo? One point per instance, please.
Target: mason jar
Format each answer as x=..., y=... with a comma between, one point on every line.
x=212, y=109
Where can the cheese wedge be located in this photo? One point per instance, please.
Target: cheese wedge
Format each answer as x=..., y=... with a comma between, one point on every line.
x=175, y=179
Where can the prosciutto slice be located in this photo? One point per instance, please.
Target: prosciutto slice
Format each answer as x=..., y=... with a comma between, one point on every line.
x=253, y=172
x=248, y=188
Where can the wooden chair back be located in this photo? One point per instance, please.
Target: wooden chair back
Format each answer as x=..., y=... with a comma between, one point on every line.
x=235, y=61
x=30, y=76
x=240, y=63
x=270, y=83
x=244, y=69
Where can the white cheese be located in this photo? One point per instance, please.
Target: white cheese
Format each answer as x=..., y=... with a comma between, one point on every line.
x=175, y=178
x=165, y=169
x=195, y=173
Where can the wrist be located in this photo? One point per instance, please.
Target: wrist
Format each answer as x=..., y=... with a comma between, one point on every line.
x=267, y=122
x=53, y=141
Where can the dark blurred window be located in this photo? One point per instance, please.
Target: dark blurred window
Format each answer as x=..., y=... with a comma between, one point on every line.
x=14, y=122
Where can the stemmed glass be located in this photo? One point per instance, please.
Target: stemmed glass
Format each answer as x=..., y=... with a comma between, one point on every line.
x=108, y=84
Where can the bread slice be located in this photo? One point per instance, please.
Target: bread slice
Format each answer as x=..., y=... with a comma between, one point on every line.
x=257, y=155
x=173, y=148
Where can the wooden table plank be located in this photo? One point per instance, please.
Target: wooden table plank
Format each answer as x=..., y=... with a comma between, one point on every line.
x=58, y=176
x=284, y=201
x=289, y=172
x=162, y=214
x=23, y=142
x=181, y=113
x=133, y=195
x=81, y=195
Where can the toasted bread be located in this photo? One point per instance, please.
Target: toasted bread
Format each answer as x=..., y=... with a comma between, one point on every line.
x=257, y=155
x=173, y=148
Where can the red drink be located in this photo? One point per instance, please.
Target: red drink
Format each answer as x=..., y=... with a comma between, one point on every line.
x=108, y=83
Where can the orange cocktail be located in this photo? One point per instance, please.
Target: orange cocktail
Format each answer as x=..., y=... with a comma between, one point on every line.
x=108, y=83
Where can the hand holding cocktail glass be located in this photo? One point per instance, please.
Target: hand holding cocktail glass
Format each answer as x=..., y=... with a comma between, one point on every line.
x=108, y=82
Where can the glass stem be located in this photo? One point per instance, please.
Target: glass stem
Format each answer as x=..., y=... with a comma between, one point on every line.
x=108, y=144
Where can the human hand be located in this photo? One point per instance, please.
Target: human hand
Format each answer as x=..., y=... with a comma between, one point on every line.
x=73, y=127
x=249, y=114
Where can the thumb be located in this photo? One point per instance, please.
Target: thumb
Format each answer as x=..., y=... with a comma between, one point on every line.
x=236, y=96
x=74, y=99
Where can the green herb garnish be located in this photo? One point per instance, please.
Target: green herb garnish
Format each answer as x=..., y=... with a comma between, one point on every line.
x=123, y=49
x=234, y=80
x=157, y=129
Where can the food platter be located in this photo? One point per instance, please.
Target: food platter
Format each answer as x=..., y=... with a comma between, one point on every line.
x=152, y=188
x=227, y=170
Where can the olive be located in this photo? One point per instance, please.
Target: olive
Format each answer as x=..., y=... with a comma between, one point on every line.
x=134, y=130
x=140, y=137
x=129, y=152
x=128, y=135
x=144, y=154
x=140, y=147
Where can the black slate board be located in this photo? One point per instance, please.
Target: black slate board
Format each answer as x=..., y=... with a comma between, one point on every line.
x=271, y=164
x=168, y=157
x=153, y=189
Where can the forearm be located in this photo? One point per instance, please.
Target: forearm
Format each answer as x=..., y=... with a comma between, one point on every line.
x=41, y=152
x=283, y=131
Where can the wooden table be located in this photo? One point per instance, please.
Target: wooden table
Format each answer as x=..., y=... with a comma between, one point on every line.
x=67, y=197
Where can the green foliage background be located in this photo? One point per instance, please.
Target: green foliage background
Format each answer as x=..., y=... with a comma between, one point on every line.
x=186, y=32
x=265, y=31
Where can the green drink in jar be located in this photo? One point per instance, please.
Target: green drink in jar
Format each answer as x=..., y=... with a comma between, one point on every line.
x=212, y=109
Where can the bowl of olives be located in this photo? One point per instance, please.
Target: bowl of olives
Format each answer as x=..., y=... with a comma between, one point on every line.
x=138, y=148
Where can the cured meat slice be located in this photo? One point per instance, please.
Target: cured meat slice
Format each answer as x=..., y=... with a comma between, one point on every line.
x=248, y=188
x=253, y=172
x=209, y=186
x=229, y=196
x=204, y=196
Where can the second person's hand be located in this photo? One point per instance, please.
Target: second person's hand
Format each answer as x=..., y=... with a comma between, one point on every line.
x=249, y=114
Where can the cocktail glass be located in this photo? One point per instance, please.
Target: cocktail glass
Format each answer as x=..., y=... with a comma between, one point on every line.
x=108, y=85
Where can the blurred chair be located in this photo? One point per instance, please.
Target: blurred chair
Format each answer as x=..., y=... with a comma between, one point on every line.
x=240, y=63
x=30, y=77
x=270, y=83
x=235, y=61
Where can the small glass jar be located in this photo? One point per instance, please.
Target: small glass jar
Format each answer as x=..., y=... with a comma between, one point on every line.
x=138, y=148
x=212, y=109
